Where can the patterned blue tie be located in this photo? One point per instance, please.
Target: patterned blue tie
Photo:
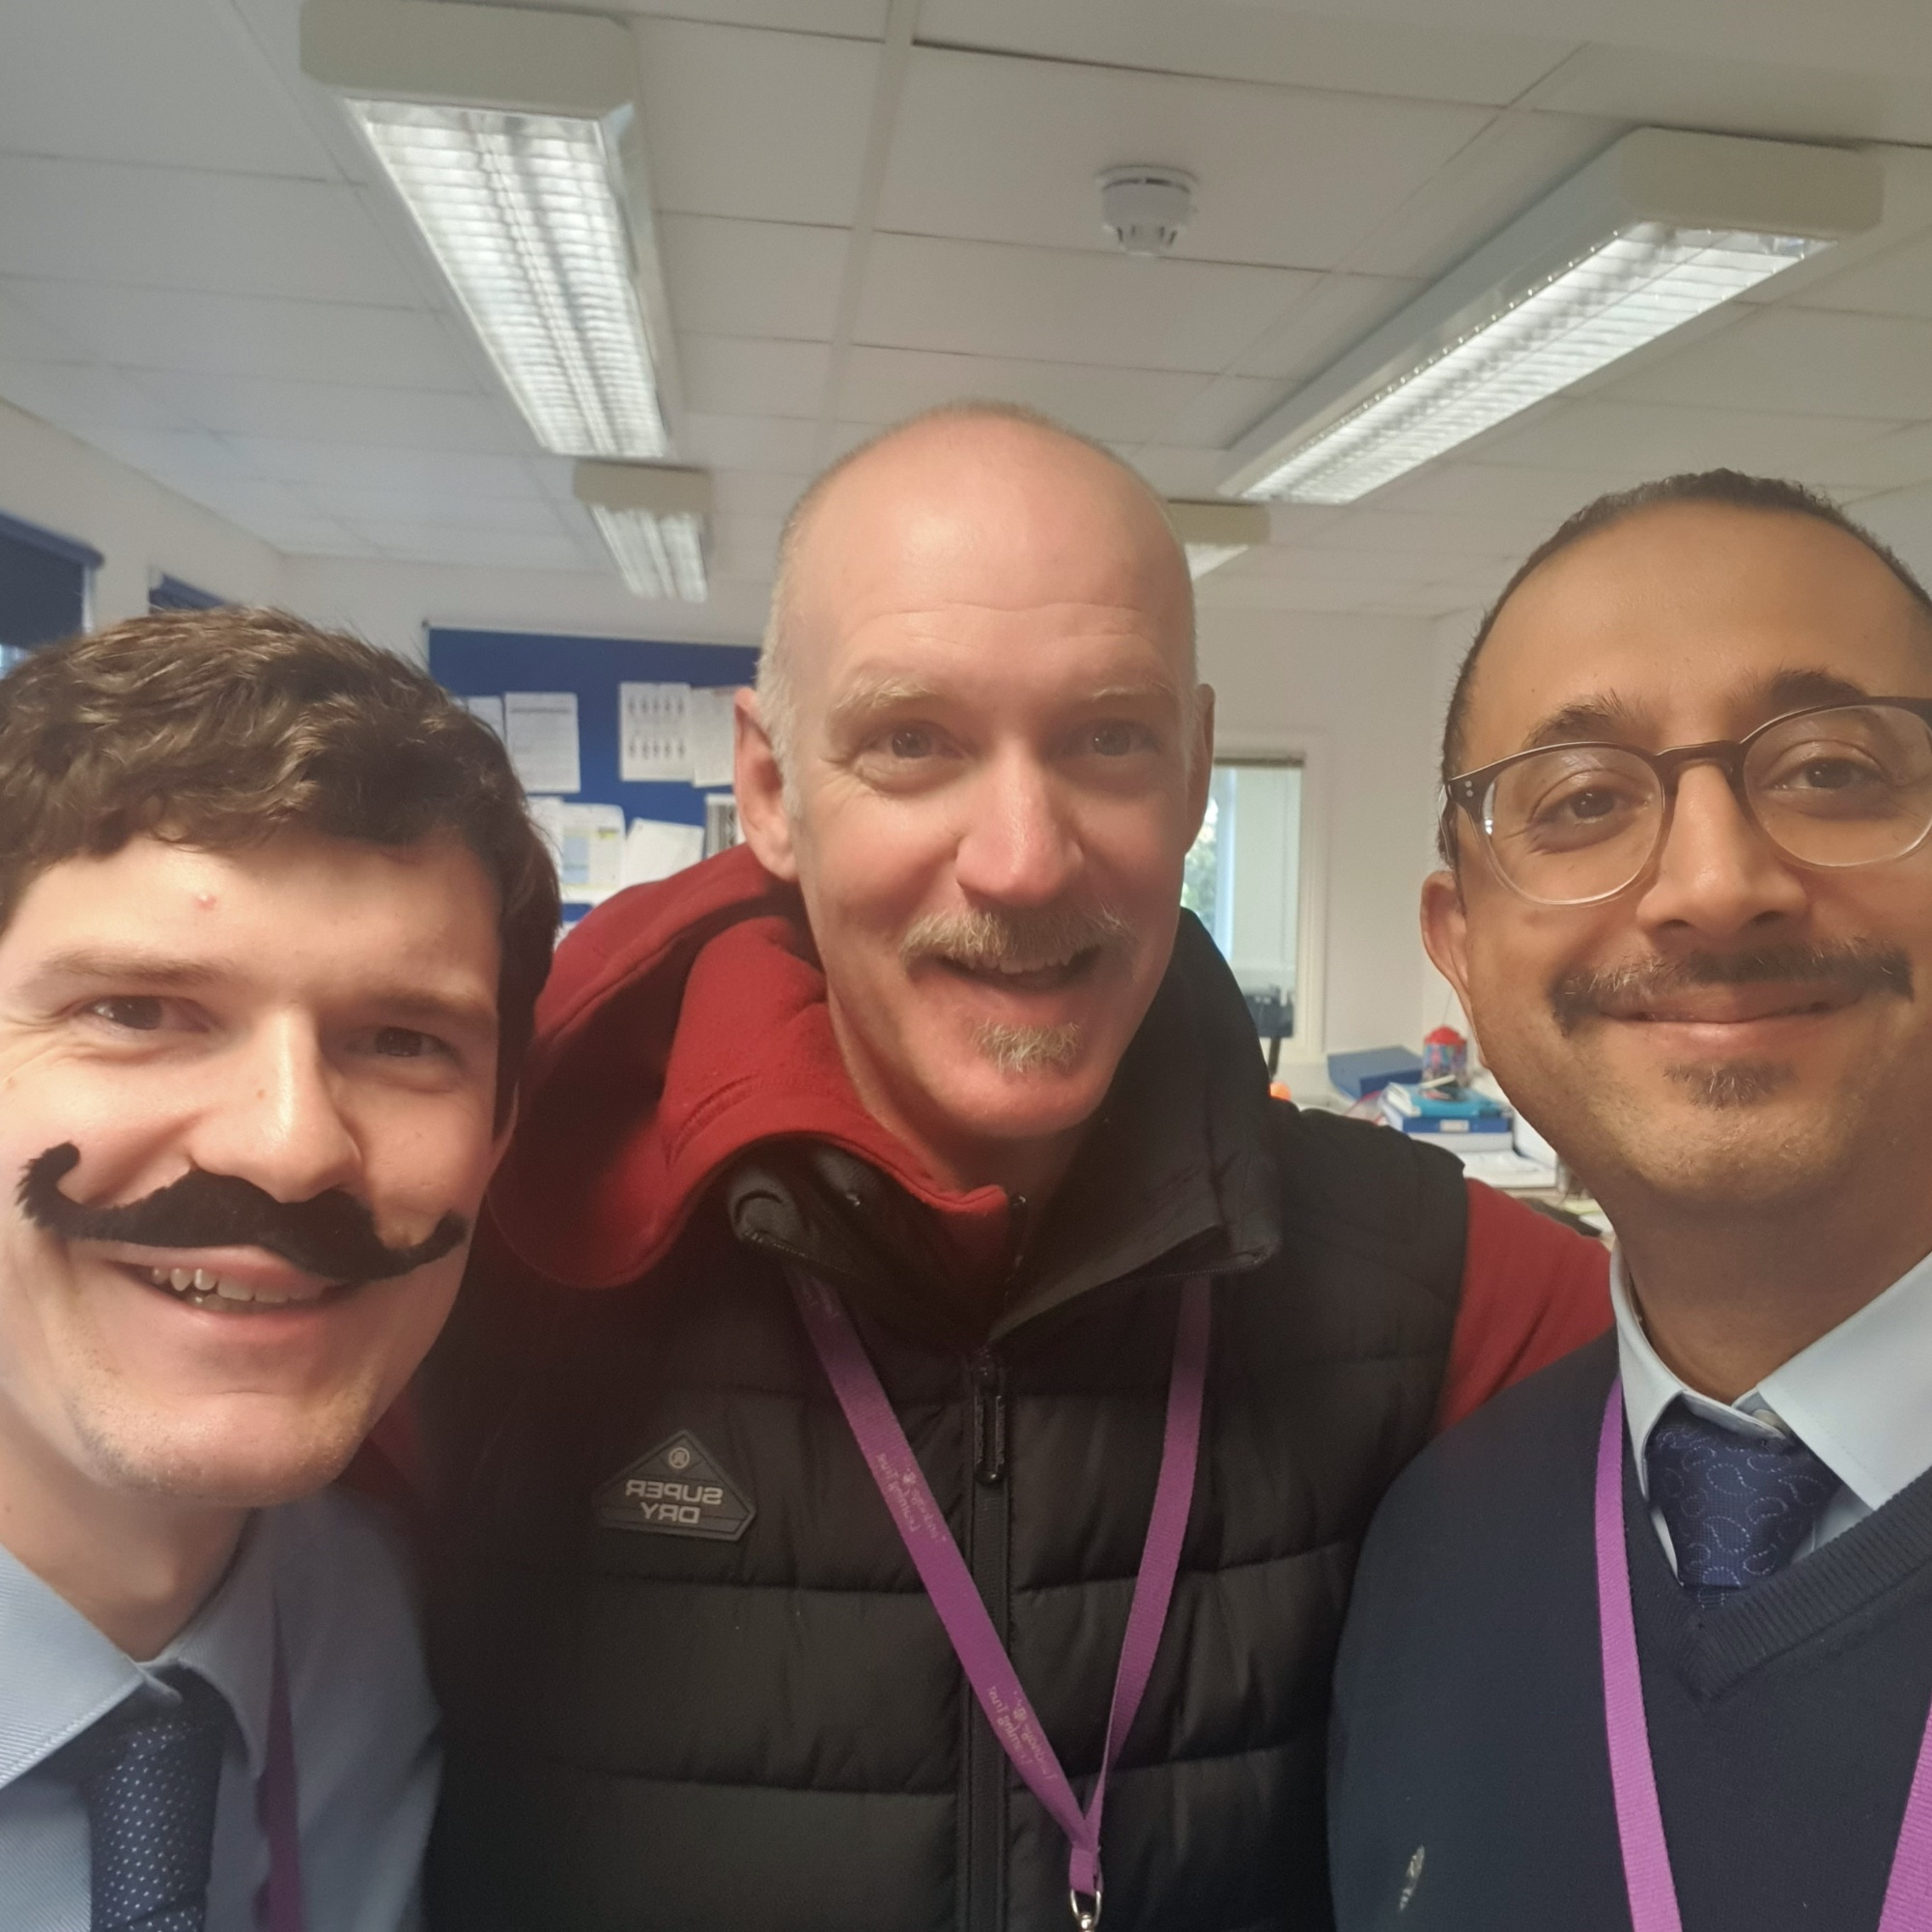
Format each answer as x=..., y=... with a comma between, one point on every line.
x=1737, y=1506
x=150, y=1774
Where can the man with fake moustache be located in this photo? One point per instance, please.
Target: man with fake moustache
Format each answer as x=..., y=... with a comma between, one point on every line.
x=273, y=923
x=1648, y=1642
x=903, y=1457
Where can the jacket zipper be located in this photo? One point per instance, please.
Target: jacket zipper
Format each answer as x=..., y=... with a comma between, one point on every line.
x=983, y=1862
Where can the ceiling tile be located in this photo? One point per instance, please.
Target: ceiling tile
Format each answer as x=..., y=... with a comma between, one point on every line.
x=347, y=465
x=1898, y=282
x=370, y=508
x=177, y=83
x=250, y=335
x=751, y=277
x=1330, y=318
x=1903, y=519
x=1221, y=412
x=178, y=228
x=1511, y=165
x=84, y=397
x=762, y=127
x=745, y=547
x=1729, y=95
x=540, y=548
x=1062, y=305
x=1808, y=361
x=1647, y=439
x=310, y=536
x=1286, y=176
x=26, y=337
x=1896, y=460
x=755, y=492
x=1178, y=472
x=329, y=412
x=748, y=443
x=859, y=19
x=1240, y=41
x=1116, y=404
x=736, y=375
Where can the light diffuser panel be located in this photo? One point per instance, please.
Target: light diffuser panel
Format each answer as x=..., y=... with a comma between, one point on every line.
x=661, y=557
x=523, y=214
x=1639, y=285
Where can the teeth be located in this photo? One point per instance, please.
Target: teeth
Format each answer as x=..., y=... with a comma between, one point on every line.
x=198, y=1281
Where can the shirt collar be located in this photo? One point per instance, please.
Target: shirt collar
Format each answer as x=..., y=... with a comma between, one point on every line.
x=1855, y=1397
x=63, y=1674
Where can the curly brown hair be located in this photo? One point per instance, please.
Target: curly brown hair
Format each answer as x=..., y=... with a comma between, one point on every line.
x=220, y=728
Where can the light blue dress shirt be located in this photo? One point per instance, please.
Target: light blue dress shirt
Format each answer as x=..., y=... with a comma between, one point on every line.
x=1856, y=1398
x=363, y=1722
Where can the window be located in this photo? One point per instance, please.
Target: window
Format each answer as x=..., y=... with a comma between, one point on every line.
x=43, y=588
x=171, y=593
x=1243, y=883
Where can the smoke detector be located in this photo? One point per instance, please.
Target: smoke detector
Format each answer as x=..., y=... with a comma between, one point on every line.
x=1145, y=208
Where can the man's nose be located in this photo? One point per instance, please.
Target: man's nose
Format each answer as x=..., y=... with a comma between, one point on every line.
x=1018, y=847
x=1717, y=873
x=274, y=1117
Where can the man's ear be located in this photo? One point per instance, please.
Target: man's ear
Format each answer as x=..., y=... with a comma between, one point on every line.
x=1446, y=932
x=759, y=784
x=1201, y=770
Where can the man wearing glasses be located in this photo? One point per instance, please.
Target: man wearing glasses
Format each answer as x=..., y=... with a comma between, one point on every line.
x=1648, y=1642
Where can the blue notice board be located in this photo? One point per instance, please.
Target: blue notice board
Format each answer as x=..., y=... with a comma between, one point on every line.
x=487, y=664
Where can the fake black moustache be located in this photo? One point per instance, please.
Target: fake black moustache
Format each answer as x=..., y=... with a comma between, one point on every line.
x=1853, y=968
x=331, y=1235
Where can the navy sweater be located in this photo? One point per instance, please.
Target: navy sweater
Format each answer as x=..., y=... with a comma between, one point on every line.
x=1469, y=1778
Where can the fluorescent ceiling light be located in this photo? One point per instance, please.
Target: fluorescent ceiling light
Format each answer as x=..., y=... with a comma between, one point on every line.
x=1217, y=532
x=1660, y=229
x=521, y=211
x=653, y=521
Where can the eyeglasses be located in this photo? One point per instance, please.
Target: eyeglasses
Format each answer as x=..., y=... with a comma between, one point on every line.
x=1836, y=785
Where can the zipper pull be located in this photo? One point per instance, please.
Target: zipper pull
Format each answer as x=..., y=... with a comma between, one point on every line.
x=989, y=1419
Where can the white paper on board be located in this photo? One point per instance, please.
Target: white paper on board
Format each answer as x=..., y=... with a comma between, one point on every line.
x=653, y=849
x=489, y=709
x=652, y=725
x=708, y=732
x=587, y=843
x=540, y=728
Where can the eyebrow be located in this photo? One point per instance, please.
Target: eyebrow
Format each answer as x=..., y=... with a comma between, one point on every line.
x=165, y=972
x=872, y=695
x=151, y=968
x=1588, y=721
x=1796, y=689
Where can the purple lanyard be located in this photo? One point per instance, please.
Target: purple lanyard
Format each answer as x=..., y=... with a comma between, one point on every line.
x=958, y=1600
x=278, y=1904
x=1653, y=1892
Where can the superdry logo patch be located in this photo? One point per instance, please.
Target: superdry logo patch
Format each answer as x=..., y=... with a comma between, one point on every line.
x=678, y=1489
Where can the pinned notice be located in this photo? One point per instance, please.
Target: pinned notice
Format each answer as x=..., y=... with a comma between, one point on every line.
x=653, y=849
x=540, y=729
x=588, y=844
x=652, y=723
x=708, y=731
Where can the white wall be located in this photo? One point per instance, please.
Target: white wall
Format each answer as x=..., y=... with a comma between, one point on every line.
x=47, y=477
x=1361, y=698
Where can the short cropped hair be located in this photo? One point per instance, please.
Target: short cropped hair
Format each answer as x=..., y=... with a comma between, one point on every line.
x=777, y=709
x=1730, y=488
x=220, y=728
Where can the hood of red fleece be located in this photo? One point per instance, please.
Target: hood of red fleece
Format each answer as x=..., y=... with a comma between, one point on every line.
x=682, y=1024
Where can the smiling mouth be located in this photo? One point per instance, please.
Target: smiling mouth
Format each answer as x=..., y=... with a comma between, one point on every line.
x=203, y=1287
x=1740, y=1006
x=1025, y=978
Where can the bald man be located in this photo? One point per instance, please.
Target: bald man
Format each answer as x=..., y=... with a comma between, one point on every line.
x=918, y=1367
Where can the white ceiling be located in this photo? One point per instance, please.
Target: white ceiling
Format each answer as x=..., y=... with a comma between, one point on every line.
x=867, y=207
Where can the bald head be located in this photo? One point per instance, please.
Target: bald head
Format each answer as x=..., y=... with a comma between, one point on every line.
x=989, y=502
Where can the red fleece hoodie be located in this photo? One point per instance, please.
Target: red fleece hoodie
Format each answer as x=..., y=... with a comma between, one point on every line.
x=685, y=1021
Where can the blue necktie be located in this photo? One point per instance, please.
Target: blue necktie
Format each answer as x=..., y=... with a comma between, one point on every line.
x=1737, y=1506
x=150, y=1774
